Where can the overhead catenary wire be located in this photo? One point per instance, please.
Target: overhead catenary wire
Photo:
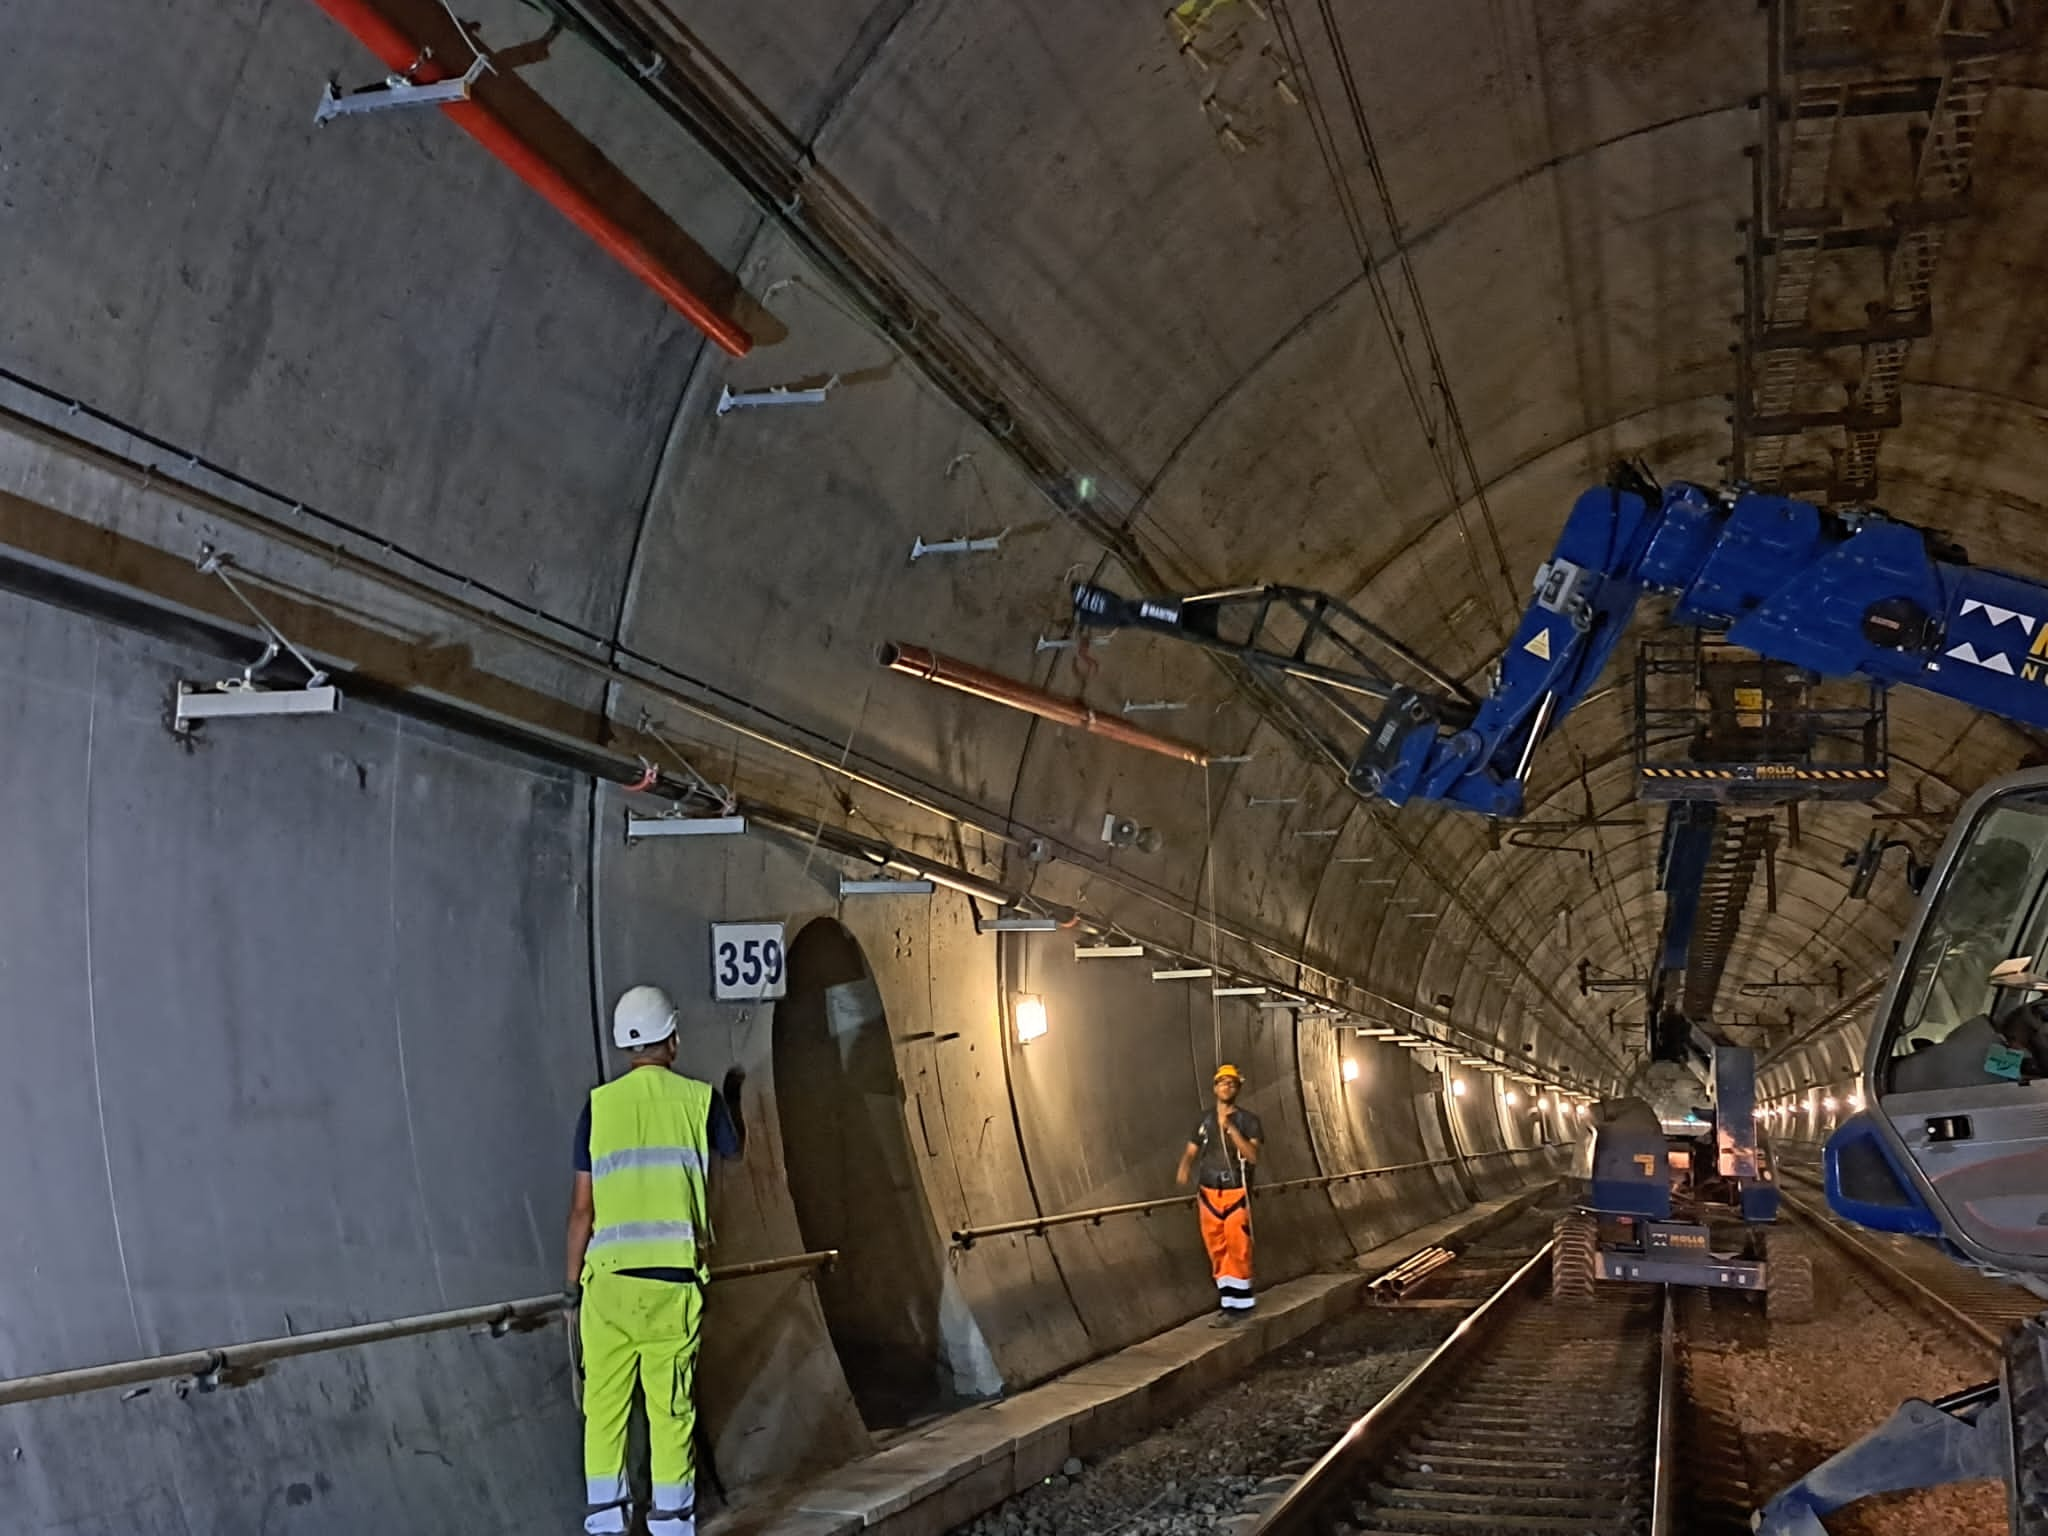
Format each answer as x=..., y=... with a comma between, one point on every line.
x=1441, y=450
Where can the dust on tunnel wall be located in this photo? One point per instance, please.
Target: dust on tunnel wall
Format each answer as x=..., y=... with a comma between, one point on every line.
x=276, y=912
x=295, y=1017
x=279, y=912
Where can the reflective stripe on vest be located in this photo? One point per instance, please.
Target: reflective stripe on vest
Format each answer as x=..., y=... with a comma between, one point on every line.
x=649, y=1146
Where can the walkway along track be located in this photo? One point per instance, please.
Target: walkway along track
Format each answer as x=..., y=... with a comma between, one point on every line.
x=1532, y=1419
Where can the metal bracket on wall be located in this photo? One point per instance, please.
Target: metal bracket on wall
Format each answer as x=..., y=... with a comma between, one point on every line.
x=397, y=92
x=730, y=399
x=243, y=697
x=964, y=545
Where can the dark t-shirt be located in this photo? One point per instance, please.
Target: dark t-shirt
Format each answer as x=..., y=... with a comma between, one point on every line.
x=724, y=1136
x=1217, y=1166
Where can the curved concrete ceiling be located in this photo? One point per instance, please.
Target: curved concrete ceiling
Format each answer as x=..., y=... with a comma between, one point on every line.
x=1139, y=231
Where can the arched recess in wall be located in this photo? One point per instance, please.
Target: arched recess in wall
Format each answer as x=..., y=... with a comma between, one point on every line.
x=853, y=1181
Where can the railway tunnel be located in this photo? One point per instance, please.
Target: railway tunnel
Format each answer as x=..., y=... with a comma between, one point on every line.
x=458, y=467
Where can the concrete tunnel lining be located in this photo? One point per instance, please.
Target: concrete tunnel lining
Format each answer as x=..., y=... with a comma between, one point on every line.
x=337, y=984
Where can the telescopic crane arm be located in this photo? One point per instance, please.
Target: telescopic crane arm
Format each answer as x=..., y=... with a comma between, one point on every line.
x=1853, y=594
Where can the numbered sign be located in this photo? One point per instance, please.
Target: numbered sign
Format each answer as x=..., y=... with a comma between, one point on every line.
x=747, y=962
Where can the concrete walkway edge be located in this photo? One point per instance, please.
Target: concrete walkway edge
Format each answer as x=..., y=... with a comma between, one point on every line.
x=949, y=1472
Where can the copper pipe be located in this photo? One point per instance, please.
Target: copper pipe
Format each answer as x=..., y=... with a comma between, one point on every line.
x=928, y=666
x=403, y=54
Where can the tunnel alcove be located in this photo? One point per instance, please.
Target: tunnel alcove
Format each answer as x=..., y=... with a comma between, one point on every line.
x=852, y=1180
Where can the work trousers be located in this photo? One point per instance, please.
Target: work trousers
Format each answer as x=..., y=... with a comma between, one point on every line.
x=640, y=1330
x=1226, y=1216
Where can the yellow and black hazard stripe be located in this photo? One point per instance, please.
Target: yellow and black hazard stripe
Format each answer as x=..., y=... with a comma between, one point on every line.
x=1771, y=771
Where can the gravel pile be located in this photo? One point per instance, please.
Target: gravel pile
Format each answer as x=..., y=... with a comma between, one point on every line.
x=1806, y=1392
x=1183, y=1478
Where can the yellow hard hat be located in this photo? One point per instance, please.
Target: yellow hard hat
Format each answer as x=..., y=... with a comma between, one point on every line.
x=1227, y=1070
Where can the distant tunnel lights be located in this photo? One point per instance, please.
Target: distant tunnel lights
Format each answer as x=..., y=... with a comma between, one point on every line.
x=1350, y=1070
x=1029, y=1011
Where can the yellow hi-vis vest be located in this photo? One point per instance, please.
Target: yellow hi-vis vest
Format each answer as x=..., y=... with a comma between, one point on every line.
x=649, y=1145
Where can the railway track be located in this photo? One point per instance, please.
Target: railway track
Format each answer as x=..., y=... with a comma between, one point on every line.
x=1973, y=1306
x=1532, y=1419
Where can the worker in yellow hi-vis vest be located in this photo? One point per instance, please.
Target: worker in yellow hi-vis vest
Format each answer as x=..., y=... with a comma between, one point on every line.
x=638, y=1224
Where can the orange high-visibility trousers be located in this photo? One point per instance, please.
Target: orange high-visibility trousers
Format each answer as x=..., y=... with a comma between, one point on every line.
x=1226, y=1216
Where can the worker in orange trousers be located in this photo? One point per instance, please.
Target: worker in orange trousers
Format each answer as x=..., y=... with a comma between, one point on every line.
x=1221, y=1153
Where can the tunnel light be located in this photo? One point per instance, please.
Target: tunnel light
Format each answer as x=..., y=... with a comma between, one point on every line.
x=1544, y=1105
x=1377, y=1032
x=1828, y=1103
x=1350, y=1070
x=1582, y=1111
x=1108, y=951
x=1029, y=1011
x=1509, y=1097
x=1760, y=1113
x=886, y=887
x=1237, y=991
x=1472, y=1061
x=1458, y=1087
x=1191, y=973
x=1856, y=1101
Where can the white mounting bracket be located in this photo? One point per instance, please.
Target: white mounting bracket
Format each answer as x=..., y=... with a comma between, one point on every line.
x=730, y=399
x=236, y=699
x=243, y=697
x=638, y=827
x=396, y=92
x=964, y=545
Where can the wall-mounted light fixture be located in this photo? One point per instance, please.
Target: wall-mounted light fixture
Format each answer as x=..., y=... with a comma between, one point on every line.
x=1190, y=973
x=1350, y=1070
x=1509, y=1097
x=1544, y=1105
x=1237, y=991
x=1458, y=1087
x=1108, y=951
x=1028, y=1009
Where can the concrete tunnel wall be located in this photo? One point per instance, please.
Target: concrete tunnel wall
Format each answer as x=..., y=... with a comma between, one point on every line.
x=230, y=970
x=301, y=1016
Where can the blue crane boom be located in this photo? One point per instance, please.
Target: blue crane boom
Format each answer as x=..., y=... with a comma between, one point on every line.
x=1842, y=594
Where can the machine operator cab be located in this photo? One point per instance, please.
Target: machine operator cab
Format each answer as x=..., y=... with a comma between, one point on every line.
x=1955, y=1143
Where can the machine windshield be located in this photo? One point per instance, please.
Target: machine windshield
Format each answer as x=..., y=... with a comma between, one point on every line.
x=1951, y=1027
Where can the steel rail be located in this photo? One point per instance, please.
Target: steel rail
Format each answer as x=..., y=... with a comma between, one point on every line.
x=1896, y=1277
x=1664, y=1474
x=967, y=1237
x=233, y=1365
x=1303, y=1507
x=1322, y=1500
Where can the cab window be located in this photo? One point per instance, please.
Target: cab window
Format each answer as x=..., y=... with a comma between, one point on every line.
x=1950, y=1027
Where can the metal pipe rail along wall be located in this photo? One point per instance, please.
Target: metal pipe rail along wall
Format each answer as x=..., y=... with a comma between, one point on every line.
x=236, y=1365
x=967, y=1237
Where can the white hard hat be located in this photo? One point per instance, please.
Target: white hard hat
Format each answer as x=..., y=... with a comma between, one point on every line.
x=644, y=1016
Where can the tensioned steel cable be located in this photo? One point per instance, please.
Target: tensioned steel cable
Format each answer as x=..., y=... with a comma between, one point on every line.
x=1383, y=302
